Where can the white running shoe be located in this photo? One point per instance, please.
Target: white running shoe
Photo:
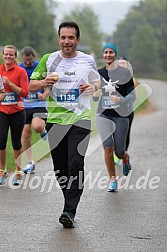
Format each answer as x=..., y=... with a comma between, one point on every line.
x=29, y=168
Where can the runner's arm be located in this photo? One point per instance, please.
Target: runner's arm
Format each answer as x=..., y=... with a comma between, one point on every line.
x=2, y=94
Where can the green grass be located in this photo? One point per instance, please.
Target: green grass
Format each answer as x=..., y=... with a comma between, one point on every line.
x=141, y=101
x=40, y=150
x=94, y=106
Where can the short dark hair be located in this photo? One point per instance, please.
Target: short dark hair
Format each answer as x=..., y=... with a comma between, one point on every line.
x=70, y=24
x=28, y=50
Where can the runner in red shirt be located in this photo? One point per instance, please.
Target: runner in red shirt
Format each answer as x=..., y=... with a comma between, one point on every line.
x=12, y=114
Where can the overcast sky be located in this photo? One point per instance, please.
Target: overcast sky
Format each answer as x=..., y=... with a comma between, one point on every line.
x=95, y=1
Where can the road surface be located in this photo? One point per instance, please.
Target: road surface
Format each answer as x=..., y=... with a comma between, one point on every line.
x=132, y=220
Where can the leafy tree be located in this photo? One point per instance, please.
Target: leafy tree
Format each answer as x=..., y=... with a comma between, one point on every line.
x=144, y=51
x=24, y=23
x=125, y=29
x=153, y=13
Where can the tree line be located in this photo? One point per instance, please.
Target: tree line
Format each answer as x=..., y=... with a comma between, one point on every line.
x=141, y=36
x=33, y=23
x=28, y=23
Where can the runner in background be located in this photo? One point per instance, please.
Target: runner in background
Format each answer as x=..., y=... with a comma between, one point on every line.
x=35, y=108
x=112, y=113
x=12, y=114
x=123, y=61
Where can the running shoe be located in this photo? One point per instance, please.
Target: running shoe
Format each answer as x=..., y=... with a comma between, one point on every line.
x=44, y=135
x=6, y=173
x=2, y=176
x=117, y=161
x=18, y=178
x=126, y=167
x=113, y=186
x=29, y=168
x=67, y=219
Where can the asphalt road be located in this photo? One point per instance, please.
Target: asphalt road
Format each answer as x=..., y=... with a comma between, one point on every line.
x=132, y=220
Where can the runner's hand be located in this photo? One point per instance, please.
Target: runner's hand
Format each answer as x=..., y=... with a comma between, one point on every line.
x=6, y=80
x=40, y=96
x=115, y=98
x=87, y=89
x=51, y=79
